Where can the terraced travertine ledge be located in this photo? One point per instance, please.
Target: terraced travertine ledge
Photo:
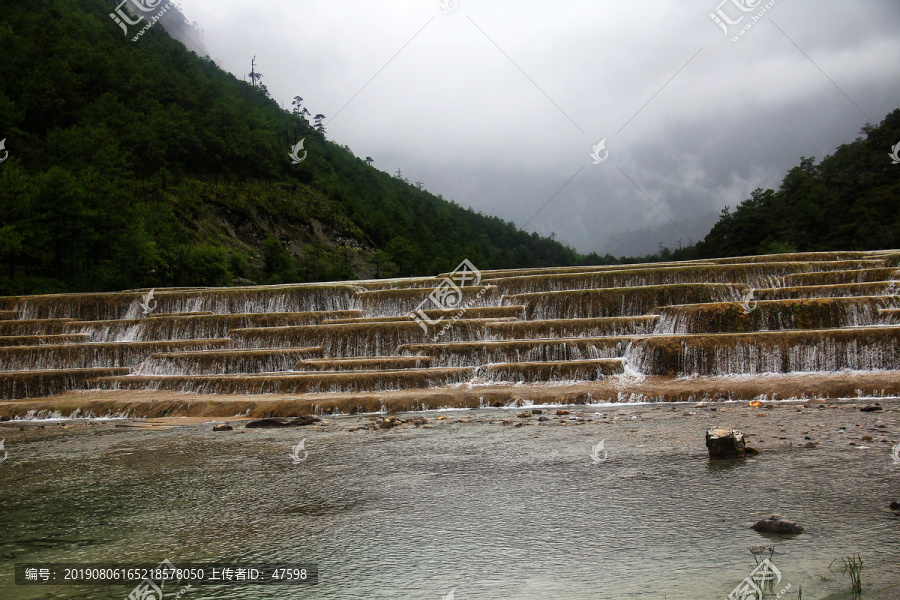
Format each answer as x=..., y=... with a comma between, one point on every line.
x=755, y=275
x=807, y=325
x=291, y=383
x=163, y=403
x=192, y=326
x=823, y=350
x=126, y=305
x=40, y=340
x=225, y=362
x=795, y=313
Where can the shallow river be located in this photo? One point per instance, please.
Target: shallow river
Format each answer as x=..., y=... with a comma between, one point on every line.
x=481, y=510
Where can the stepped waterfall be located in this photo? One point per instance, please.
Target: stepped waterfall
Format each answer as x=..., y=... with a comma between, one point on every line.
x=672, y=331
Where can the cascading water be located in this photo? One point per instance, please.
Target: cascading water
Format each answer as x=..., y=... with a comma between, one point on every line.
x=767, y=352
x=815, y=313
x=606, y=325
x=355, y=339
x=618, y=302
x=402, y=301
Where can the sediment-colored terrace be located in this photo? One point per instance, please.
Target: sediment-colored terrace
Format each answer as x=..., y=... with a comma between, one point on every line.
x=811, y=324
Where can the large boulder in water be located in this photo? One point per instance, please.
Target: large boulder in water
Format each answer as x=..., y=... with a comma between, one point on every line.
x=725, y=444
x=777, y=524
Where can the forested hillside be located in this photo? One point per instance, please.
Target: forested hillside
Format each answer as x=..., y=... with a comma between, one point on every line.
x=848, y=201
x=139, y=164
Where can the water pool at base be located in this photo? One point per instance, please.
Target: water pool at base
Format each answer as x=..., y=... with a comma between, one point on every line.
x=484, y=510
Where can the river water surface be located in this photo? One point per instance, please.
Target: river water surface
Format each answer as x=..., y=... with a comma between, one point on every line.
x=487, y=510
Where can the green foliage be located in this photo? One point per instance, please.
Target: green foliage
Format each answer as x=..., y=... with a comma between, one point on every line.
x=852, y=565
x=849, y=201
x=141, y=164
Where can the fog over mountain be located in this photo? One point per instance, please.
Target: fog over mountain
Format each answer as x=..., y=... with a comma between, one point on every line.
x=497, y=105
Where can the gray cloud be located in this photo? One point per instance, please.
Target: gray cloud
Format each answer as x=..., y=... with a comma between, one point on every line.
x=497, y=104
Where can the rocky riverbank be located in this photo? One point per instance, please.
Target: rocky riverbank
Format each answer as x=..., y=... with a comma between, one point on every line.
x=814, y=425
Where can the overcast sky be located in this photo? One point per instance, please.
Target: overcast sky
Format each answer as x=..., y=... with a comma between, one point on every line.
x=497, y=104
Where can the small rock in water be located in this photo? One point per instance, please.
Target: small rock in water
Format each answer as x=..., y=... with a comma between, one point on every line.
x=562, y=412
x=895, y=505
x=761, y=549
x=222, y=427
x=750, y=451
x=725, y=444
x=537, y=411
x=524, y=414
x=389, y=422
x=867, y=438
x=777, y=524
x=871, y=407
x=810, y=445
x=543, y=419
